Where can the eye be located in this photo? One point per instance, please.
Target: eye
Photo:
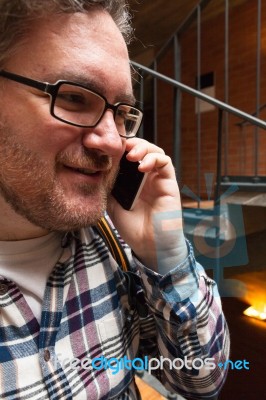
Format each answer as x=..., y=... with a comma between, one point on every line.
x=74, y=98
x=71, y=97
x=121, y=114
x=121, y=117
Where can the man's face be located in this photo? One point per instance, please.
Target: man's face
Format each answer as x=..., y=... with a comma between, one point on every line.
x=58, y=176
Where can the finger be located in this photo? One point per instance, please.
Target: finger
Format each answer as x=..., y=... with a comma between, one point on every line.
x=158, y=162
x=138, y=148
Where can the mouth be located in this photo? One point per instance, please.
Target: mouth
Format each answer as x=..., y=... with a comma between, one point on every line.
x=84, y=171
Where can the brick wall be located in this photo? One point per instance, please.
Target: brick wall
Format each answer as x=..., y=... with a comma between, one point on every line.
x=242, y=95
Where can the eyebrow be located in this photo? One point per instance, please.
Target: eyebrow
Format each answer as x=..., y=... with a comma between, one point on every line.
x=124, y=97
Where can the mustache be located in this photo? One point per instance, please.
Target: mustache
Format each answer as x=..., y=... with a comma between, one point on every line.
x=85, y=158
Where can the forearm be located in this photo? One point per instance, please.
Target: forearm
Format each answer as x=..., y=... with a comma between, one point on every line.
x=190, y=329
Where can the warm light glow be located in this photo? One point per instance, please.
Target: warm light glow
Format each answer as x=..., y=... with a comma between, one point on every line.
x=255, y=313
x=255, y=293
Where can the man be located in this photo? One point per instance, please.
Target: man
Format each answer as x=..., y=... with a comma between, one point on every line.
x=64, y=304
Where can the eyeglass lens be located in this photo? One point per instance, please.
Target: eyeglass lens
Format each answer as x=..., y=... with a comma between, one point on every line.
x=81, y=106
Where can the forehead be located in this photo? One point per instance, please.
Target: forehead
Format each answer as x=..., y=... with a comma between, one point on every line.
x=79, y=44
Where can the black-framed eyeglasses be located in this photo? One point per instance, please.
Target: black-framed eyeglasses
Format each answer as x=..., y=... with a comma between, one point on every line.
x=77, y=105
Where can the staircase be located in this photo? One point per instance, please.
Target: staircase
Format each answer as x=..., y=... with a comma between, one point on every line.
x=217, y=220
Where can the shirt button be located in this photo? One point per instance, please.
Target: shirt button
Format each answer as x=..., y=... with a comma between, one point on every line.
x=3, y=289
x=46, y=355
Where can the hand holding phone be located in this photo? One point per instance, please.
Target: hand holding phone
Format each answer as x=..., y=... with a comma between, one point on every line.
x=129, y=183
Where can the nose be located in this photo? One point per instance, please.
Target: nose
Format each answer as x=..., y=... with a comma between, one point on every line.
x=104, y=137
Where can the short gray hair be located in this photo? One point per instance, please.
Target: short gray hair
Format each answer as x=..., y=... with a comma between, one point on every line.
x=16, y=17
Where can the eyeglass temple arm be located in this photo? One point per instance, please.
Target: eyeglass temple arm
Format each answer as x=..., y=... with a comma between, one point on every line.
x=25, y=81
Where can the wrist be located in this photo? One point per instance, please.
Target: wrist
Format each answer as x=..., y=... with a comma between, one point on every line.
x=171, y=258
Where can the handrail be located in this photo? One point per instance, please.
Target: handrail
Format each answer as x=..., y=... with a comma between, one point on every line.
x=241, y=123
x=196, y=93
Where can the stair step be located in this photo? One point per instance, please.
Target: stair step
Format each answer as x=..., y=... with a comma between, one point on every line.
x=245, y=183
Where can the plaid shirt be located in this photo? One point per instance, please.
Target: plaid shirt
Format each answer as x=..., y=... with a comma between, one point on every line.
x=85, y=315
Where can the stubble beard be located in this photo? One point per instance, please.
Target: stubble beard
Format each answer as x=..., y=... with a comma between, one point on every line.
x=30, y=186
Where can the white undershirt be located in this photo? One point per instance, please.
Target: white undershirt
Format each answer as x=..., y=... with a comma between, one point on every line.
x=29, y=263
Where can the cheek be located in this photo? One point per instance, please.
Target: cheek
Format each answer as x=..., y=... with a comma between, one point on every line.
x=33, y=125
x=48, y=137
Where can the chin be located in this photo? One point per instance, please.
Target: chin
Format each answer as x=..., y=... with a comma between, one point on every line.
x=89, y=211
x=70, y=213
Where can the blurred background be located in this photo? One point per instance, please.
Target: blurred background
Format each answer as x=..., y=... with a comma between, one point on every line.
x=200, y=77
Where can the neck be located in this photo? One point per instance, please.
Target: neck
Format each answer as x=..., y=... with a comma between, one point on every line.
x=15, y=227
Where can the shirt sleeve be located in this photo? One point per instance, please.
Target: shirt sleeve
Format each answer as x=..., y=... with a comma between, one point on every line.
x=185, y=337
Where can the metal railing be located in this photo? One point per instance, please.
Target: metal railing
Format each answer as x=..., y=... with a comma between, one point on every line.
x=223, y=107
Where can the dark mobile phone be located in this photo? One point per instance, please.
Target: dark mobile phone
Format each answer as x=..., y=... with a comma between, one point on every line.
x=129, y=183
